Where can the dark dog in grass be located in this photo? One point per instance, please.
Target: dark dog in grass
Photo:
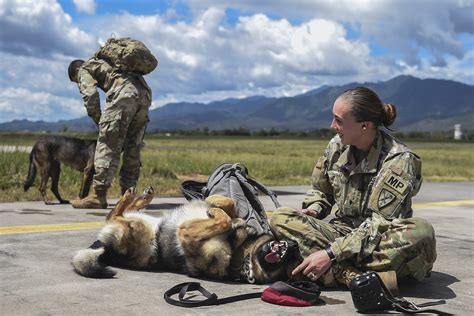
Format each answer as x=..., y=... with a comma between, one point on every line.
x=47, y=155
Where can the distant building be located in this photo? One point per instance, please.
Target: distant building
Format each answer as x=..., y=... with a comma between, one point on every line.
x=457, y=132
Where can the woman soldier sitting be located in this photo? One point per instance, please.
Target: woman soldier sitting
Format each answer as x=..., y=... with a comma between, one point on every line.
x=370, y=178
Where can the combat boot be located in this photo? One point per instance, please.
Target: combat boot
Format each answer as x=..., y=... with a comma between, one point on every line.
x=98, y=200
x=347, y=272
x=389, y=279
x=344, y=273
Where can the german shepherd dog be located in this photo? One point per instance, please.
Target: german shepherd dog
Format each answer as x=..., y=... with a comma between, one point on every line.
x=200, y=238
x=47, y=155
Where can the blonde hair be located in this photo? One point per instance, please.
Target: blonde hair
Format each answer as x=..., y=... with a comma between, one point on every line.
x=366, y=105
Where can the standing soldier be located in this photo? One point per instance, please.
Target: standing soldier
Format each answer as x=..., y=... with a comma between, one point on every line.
x=371, y=178
x=121, y=125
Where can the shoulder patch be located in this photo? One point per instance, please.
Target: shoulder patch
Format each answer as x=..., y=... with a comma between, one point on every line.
x=396, y=183
x=397, y=170
x=385, y=198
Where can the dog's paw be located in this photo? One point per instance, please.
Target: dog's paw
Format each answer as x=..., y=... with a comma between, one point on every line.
x=144, y=200
x=238, y=223
x=225, y=203
x=240, y=232
x=130, y=192
x=251, y=231
x=211, y=212
x=149, y=191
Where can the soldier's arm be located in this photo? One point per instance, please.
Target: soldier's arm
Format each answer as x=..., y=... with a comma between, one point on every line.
x=397, y=182
x=90, y=95
x=320, y=197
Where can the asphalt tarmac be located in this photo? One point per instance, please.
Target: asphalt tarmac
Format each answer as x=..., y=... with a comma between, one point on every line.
x=37, y=242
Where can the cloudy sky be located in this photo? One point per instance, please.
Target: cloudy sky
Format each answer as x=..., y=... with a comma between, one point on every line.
x=215, y=49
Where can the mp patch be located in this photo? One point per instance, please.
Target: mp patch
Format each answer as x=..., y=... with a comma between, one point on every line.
x=385, y=198
x=396, y=183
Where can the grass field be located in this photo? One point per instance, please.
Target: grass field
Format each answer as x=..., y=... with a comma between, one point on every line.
x=167, y=161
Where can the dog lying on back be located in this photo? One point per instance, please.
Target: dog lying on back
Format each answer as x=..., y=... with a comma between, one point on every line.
x=200, y=238
x=47, y=155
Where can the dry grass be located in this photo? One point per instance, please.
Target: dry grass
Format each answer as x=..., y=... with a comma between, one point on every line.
x=167, y=161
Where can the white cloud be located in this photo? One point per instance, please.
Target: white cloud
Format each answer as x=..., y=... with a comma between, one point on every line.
x=455, y=69
x=35, y=74
x=403, y=26
x=22, y=103
x=205, y=55
x=37, y=88
x=204, y=58
x=40, y=28
x=316, y=47
x=86, y=6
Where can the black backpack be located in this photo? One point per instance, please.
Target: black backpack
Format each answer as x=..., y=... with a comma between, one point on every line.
x=233, y=181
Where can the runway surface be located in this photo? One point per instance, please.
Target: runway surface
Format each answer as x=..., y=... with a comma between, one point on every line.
x=37, y=242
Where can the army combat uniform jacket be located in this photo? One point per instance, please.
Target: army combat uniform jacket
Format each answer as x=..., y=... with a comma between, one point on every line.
x=373, y=225
x=122, y=123
x=116, y=84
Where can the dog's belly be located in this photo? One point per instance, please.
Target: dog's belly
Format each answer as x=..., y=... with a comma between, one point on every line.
x=170, y=253
x=193, y=210
x=209, y=257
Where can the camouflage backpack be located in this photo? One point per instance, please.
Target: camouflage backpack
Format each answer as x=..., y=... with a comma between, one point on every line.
x=128, y=55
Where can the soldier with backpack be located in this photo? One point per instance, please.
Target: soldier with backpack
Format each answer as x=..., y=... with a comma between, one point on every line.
x=117, y=68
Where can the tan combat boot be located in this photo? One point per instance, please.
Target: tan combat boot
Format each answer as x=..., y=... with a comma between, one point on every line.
x=389, y=279
x=347, y=272
x=97, y=200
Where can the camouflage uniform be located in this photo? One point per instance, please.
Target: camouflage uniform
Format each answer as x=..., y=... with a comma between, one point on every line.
x=121, y=125
x=373, y=227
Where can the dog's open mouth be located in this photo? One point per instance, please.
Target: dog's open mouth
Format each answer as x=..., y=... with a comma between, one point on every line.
x=275, y=251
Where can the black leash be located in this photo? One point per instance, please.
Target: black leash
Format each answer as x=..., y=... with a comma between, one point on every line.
x=211, y=298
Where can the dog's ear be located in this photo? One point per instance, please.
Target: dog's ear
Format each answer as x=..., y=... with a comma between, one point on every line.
x=122, y=205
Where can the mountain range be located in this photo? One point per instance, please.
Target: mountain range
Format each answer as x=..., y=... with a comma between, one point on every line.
x=422, y=105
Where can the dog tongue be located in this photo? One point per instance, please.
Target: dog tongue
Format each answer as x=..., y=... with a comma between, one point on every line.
x=272, y=257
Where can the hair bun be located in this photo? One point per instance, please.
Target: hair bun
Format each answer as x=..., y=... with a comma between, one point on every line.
x=389, y=114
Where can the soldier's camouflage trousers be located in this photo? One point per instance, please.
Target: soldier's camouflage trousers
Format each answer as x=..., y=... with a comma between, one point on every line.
x=407, y=246
x=121, y=129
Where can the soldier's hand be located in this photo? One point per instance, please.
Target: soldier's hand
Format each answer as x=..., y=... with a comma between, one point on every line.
x=314, y=265
x=96, y=120
x=310, y=212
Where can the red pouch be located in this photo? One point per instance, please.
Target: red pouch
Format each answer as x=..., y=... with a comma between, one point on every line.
x=297, y=293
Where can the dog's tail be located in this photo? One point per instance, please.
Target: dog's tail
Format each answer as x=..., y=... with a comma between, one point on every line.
x=31, y=172
x=91, y=263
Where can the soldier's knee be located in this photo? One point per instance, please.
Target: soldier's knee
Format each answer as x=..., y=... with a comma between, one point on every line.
x=280, y=215
x=423, y=224
x=424, y=239
x=423, y=229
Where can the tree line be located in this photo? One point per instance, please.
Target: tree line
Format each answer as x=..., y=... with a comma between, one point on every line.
x=323, y=133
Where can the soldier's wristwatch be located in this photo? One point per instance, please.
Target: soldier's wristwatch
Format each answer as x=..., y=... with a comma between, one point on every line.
x=330, y=253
